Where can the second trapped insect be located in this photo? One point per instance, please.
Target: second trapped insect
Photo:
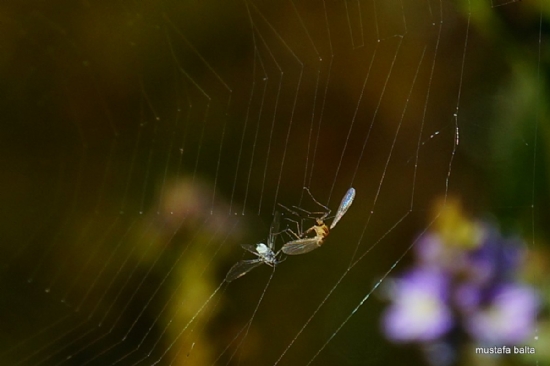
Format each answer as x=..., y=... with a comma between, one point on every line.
x=265, y=254
x=304, y=244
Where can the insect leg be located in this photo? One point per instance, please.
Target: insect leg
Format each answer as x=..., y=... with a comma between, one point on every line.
x=317, y=202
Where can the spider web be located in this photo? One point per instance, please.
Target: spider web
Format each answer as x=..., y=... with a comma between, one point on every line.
x=148, y=140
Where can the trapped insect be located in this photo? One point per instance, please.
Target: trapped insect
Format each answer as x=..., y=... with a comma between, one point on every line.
x=304, y=244
x=265, y=254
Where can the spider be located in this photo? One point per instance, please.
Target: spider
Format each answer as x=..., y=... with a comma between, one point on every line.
x=265, y=254
x=303, y=244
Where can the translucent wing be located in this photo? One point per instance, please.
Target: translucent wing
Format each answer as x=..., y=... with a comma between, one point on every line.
x=344, y=206
x=241, y=268
x=301, y=246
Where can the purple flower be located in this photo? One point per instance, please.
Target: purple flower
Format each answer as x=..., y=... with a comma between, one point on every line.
x=432, y=252
x=496, y=260
x=463, y=287
x=509, y=319
x=419, y=311
x=467, y=297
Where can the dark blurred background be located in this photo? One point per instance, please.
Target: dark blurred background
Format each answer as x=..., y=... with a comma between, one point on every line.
x=144, y=141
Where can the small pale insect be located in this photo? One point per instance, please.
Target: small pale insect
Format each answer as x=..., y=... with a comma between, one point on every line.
x=265, y=254
x=304, y=244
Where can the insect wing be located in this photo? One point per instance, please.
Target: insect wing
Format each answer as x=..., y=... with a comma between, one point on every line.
x=301, y=246
x=344, y=206
x=241, y=268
